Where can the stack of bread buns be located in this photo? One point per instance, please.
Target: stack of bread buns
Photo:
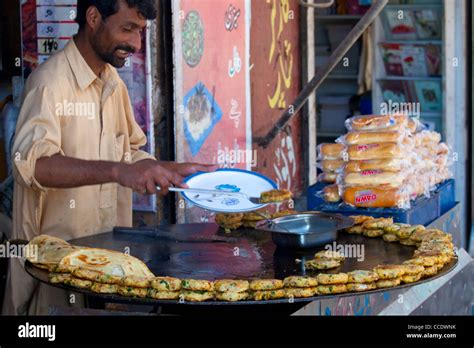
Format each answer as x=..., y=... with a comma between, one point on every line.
x=386, y=162
x=331, y=162
x=432, y=163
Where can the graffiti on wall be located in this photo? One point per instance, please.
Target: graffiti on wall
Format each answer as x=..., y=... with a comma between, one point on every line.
x=280, y=55
x=275, y=84
x=231, y=18
x=211, y=87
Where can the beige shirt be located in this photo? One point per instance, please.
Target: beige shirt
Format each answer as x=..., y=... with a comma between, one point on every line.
x=67, y=109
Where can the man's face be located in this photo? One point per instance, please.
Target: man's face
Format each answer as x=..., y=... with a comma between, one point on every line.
x=119, y=36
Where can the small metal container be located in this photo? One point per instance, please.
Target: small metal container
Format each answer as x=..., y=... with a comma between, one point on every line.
x=305, y=230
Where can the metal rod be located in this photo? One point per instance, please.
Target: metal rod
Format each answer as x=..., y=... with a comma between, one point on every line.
x=205, y=191
x=322, y=73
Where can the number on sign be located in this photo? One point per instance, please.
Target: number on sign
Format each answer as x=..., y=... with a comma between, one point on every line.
x=50, y=46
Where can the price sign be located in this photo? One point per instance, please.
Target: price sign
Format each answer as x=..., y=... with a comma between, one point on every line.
x=55, y=30
x=55, y=2
x=55, y=14
x=49, y=46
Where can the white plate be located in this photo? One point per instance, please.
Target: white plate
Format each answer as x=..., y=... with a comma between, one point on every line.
x=236, y=180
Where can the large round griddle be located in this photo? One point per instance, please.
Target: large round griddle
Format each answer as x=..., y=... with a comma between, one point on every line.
x=203, y=251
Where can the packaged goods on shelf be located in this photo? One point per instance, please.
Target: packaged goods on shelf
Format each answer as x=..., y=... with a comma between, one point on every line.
x=383, y=162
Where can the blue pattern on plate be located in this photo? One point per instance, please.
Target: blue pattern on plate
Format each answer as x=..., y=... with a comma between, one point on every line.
x=230, y=201
x=212, y=204
x=228, y=188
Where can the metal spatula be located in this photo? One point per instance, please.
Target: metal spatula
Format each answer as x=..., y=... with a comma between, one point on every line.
x=216, y=193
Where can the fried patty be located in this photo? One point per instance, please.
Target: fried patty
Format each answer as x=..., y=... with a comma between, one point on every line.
x=361, y=286
x=360, y=219
x=78, y=283
x=228, y=218
x=327, y=255
x=377, y=224
x=430, y=271
x=197, y=285
x=59, y=278
x=407, y=242
x=321, y=265
x=130, y=291
x=264, y=295
x=389, y=271
x=196, y=296
x=231, y=285
x=232, y=296
x=406, y=232
x=362, y=276
x=419, y=236
x=275, y=196
x=355, y=229
x=109, y=279
x=301, y=292
x=437, y=256
x=332, y=289
x=87, y=274
x=230, y=221
x=390, y=238
x=166, y=284
x=413, y=269
x=421, y=260
x=300, y=282
x=136, y=282
x=256, y=216
x=388, y=283
x=392, y=229
x=328, y=279
x=163, y=295
x=411, y=278
x=104, y=288
x=266, y=284
x=373, y=233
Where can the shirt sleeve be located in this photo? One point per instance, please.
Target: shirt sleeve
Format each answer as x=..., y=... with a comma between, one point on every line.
x=38, y=135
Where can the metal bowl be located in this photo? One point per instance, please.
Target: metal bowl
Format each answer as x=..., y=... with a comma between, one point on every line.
x=305, y=230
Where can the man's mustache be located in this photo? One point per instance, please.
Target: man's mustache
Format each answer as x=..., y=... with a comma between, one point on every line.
x=126, y=48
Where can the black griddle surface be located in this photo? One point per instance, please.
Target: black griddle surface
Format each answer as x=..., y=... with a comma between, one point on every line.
x=203, y=251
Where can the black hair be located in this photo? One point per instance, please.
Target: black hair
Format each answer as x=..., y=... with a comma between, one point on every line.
x=107, y=8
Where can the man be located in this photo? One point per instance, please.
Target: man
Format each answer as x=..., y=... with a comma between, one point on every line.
x=74, y=174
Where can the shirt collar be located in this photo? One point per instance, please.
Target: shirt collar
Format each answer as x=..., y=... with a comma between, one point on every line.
x=83, y=72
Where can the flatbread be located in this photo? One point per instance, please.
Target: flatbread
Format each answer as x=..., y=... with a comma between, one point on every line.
x=106, y=261
x=48, y=251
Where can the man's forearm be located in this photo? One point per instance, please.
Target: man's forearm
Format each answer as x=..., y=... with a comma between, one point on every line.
x=66, y=172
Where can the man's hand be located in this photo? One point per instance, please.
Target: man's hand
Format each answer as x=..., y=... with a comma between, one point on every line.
x=187, y=169
x=144, y=176
x=65, y=172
